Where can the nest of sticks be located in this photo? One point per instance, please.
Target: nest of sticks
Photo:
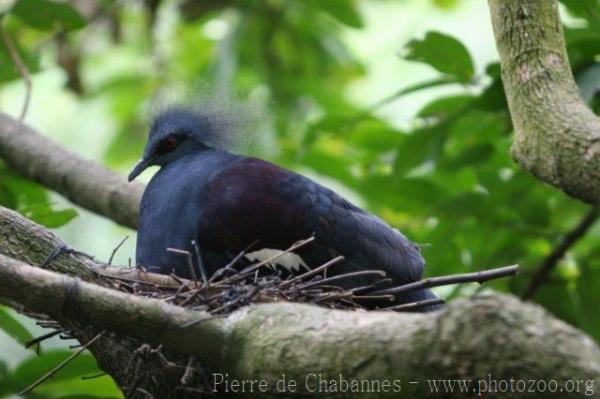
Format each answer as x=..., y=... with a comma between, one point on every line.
x=235, y=285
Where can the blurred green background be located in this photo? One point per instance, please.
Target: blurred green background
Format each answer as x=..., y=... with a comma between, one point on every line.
x=397, y=105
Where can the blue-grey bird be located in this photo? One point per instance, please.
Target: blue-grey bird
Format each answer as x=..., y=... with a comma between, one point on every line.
x=225, y=202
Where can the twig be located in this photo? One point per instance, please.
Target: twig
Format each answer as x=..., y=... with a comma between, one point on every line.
x=544, y=269
x=60, y=365
x=200, y=263
x=93, y=376
x=219, y=273
x=190, y=297
x=312, y=272
x=416, y=305
x=371, y=287
x=478, y=277
x=112, y=255
x=21, y=68
x=146, y=393
x=373, y=298
x=188, y=256
x=361, y=273
x=41, y=338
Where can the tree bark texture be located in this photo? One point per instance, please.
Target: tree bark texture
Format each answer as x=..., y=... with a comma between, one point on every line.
x=83, y=182
x=495, y=334
x=557, y=137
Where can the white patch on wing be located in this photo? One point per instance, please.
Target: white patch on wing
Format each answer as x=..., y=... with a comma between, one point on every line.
x=290, y=261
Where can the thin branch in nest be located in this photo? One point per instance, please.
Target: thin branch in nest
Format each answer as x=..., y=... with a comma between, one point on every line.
x=371, y=287
x=114, y=252
x=389, y=298
x=21, y=68
x=60, y=365
x=311, y=273
x=478, y=277
x=188, y=257
x=226, y=294
x=229, y=267
x=416, y=305
x=200, y=263
x=361, y=273
x=177, y=279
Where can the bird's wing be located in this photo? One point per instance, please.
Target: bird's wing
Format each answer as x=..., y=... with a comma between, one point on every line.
x=253, y=199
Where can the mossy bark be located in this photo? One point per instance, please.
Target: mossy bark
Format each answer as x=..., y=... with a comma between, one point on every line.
x=557, y=137
x=484, y=337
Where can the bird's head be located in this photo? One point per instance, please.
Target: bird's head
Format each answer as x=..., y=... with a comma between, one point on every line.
x=176, y=133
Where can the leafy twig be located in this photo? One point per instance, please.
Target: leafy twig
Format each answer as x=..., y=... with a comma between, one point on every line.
x=543, y=270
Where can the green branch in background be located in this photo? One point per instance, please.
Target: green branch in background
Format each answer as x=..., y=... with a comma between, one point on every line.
x=85, y=183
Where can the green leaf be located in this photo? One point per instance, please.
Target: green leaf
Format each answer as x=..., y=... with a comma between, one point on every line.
x=17, y=191
x=583, y=44
x=6, y=386
x=442, y=52
x=587, y=9
x=11, y=326
x=444, y=107
x=48, y=217
x=342, y=10
x=48, y=15
x=470, y=155
x=420, y=146
x=33, y=368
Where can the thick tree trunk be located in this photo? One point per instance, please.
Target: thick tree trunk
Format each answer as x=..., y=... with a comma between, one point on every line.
x=557, y=137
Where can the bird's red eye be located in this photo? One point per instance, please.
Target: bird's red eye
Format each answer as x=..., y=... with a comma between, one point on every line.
x=168, y=145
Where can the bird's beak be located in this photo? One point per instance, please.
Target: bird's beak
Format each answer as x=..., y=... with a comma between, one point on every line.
x=139, y=168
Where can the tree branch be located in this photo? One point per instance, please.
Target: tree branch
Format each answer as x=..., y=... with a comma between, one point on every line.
x=28, y=242
x=543, y=270
x=266, y=340
x=357, y=345
x=557, y=137
x=83, y=182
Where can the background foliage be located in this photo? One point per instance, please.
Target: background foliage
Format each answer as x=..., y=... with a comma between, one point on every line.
x=441, y=172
